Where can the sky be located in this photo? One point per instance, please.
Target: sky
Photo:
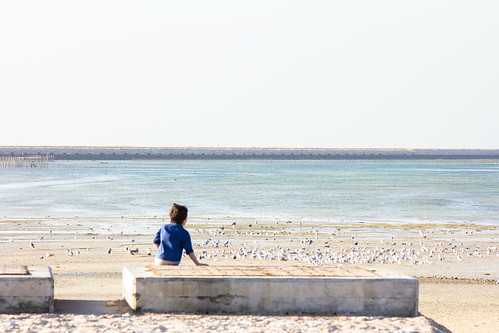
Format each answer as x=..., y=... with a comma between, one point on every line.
x=304, y=74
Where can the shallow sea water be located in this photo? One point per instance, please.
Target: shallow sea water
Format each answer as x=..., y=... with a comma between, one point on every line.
x=322, y=191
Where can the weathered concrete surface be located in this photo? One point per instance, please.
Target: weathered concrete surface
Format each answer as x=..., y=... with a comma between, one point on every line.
x=32, y=292
x=270, y=290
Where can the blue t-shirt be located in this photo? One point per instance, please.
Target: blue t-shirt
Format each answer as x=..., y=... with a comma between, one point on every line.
x=172, y=238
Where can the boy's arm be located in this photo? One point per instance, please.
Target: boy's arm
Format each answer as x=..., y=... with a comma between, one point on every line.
x=190, y=251
x=157, y=239
x=195, y=260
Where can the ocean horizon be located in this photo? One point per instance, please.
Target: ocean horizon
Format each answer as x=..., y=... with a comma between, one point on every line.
x=244, y=153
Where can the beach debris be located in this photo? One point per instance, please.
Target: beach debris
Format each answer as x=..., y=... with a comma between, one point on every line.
x=32, y=245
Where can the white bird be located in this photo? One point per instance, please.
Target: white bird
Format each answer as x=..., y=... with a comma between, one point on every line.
x=149, y=252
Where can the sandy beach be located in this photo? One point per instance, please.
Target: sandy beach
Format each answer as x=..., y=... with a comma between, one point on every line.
x=457, y=266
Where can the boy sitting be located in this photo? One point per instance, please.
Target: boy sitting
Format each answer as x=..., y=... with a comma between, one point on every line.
x=172, y=238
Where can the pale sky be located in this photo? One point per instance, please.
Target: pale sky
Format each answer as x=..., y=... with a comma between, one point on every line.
x=338, y=74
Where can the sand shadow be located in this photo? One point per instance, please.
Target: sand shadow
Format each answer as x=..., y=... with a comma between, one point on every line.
x=97, y=307
x=439, y=327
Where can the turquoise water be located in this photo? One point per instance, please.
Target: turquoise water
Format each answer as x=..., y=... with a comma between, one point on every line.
x=335, y=191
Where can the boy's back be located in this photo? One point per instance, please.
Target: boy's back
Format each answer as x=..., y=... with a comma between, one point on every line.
x=172, y=239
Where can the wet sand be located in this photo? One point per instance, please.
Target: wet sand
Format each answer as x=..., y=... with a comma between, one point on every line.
x=457, y=265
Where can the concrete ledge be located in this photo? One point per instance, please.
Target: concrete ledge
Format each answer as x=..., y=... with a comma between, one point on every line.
x=32, y=292
x=270, y=290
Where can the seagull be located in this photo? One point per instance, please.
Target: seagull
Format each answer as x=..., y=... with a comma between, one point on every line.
x=149, y=252
x=109, y=251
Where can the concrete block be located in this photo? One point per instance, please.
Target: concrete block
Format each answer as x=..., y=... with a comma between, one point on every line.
x=32, y=292
x=270, y=290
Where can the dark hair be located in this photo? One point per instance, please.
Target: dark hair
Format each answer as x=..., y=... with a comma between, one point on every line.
x=178, y=213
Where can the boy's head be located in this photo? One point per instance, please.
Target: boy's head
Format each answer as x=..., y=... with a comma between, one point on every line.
x=178, y=214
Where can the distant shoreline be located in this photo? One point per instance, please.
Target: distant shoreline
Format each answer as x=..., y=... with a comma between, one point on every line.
x=231, y=153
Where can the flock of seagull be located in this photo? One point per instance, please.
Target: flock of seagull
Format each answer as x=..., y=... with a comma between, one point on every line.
x=316, y=250
x=355, y=254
